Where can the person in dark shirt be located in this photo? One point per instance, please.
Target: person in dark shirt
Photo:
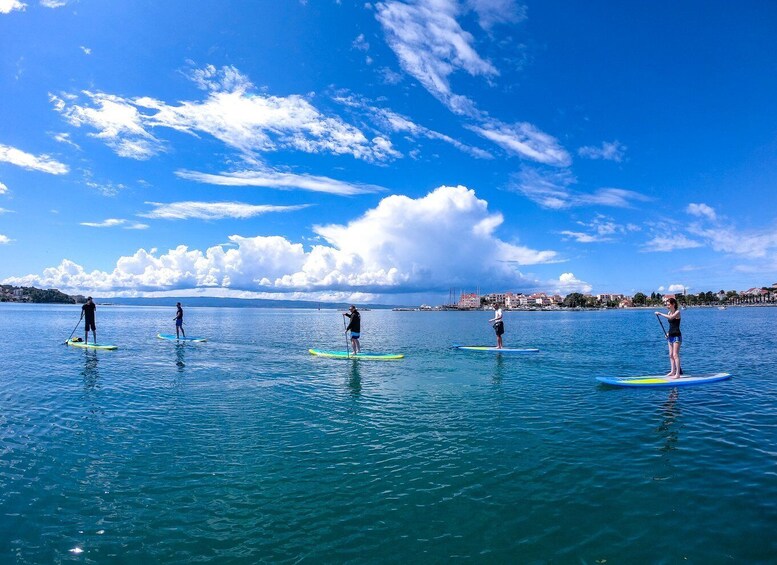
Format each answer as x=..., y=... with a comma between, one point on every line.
x=354, y=326
x=179, y=321
x=87, y=311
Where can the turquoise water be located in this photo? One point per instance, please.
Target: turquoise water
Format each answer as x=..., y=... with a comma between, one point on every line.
x=248, y=449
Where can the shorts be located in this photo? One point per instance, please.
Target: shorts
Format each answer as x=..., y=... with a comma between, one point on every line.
x=355, y=335
x=499, y=328
x=89, y=324
x=674, y=339
x=178, y=323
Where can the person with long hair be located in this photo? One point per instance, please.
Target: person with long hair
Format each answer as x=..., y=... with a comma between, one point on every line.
x=673, y=338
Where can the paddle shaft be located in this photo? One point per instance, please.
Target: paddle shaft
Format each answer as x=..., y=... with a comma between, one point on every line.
x=662, y=325
x=347, y=346
x=75, y=328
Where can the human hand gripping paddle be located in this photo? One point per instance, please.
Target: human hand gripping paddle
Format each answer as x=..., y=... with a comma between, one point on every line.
x=75, y=328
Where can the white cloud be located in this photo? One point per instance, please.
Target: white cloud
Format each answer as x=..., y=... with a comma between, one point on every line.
x=525, y=140
x=431, y=46
x=86, y=50
x=247, y=122
x=213, y=210
x=8, y=6
x=674, y=288
x=568, y=283
x=492, y=12
x=4, y=239
x=551, y=189
x=65, y=138
x=403, y=245
x=42, y=163
x=702, y=211
x=609, y=151
x=3, y=188
x=116, y=222
x=670, y=243
x=53, y=3
x=267, y=178
x=753, y=245
x=360, y=43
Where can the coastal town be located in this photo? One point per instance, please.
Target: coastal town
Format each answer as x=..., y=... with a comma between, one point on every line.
x=766, y=295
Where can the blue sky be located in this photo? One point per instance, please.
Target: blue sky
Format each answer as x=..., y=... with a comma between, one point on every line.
x=387, y=151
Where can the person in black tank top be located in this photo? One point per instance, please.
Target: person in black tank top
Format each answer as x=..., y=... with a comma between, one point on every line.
x=674, y=338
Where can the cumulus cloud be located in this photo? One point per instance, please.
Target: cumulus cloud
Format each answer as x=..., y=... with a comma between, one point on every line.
x=525, y=140
x=213, y=210
x=116, y=223
x=403, y=245
x=268, y=178
x=431, y=46
x=551, y=189
x=568, y=283
x=702, y=211
x=609, y=151
x=42, y=163
x=8, y=6
x=4, y=239
x=248, y=122
x=676, y=288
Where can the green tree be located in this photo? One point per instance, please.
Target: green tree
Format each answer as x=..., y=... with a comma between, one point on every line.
x=639, y=299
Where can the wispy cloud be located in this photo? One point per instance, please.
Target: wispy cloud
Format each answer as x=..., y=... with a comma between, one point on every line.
x=431, y=46
x=66, y=139
x=53, y=3
x=5, y=240
x=213, y=210
x=249, y=122
x=116, y=223
x=609, y=151
x=267, y=178
x=672, y=242
x=42, y=163
x=8, y=6
x=493, y=12
x=3, y=188
x=525, y=140
x=86, y=50
x=701, y=210
x=551, y=189
x=600, y=229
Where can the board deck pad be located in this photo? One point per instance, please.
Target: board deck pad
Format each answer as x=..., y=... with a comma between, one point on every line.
x=91, y=345
x=363, y=355
x=664, y=381
x=172, y=337
x=492, y=349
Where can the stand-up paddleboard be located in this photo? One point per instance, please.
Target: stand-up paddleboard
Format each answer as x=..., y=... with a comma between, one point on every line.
x=662, y=381
x=172, y=337
x=364, y=356
x=492, y=349
x=91, y=345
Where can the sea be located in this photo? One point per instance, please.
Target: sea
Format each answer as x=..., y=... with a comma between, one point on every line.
x=248, y=449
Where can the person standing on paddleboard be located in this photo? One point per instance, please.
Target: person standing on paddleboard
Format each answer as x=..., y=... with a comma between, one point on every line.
x=499, y=326
x=355, y=326
x=673, y=337
x=87, y=311
x=179, y=320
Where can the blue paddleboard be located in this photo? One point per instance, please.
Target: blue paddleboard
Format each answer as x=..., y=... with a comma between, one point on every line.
x=172, y=337
x=654, y=381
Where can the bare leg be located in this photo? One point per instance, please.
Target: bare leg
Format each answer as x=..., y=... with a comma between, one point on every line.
x=676, y=359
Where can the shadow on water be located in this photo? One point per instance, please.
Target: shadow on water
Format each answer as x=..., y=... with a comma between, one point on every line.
x=355, y=379
x=499, y=370
x=180, y=356
x=91, y=382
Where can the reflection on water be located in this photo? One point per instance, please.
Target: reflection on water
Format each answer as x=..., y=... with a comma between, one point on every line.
x=499, y=368
x=355, y=378
x=668, y=429
x=180, y=356
x=90, y=373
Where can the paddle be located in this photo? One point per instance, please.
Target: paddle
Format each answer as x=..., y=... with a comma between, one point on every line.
x=662, y=325
x=347, y=347
x=75, y=328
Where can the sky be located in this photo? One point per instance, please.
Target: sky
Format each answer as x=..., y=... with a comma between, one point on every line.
x=387, y=152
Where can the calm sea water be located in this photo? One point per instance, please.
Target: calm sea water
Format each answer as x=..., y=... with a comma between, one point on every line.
x=248, y=449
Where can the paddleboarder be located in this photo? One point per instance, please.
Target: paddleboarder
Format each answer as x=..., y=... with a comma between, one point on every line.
x=179, y=321
x=499, y=326
x=354, y=326
x=674, y=337
x=87, y=311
